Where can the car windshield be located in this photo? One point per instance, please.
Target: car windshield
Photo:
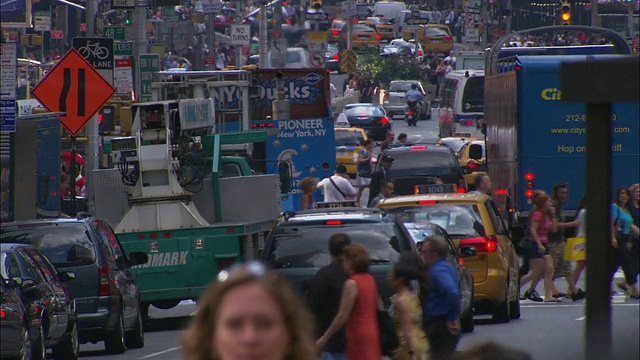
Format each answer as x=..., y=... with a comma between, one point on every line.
x=362, y=28
x=364, y=111
x=298, y=245
x=432, y=31
x=418, y=231
x=293, y=56
x=400, y=86
x=459, y=220
x=61, y=243
x=348, y=138
x=454, y=144
x=419, y=162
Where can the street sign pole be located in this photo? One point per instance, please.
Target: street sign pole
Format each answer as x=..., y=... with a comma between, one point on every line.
x=92, y=160
x=140, y=39
x=72, y=176
x=349, y=32
x=264, y=37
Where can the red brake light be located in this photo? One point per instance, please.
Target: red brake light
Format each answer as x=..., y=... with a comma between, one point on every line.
x=378, y=36
x=518, y=67
x=447, y=37
x=472, y=165
x=427, y=202
x=384, y=120
x=529, y=193
x=418, y=148
x=466, y=122
x=99, y=119
x=333, y=222
x=482, y=244
x=103, y=275
x=501, y=192
x=334, y=32
x=419, y=52
x=2, y=314
x=336, y=57
x=461, y=260
x=461, y=190
x=140, y=236
x=153, y=236
x=528, y=177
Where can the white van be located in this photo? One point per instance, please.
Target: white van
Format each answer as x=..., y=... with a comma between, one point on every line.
x=400, y=22
x=388, y=9
x=297, y=58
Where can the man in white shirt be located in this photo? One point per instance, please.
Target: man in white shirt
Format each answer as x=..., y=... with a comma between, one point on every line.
x=337, y=187
x=451, y=60
x=484, y=185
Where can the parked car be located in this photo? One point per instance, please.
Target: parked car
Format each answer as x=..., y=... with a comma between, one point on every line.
x=394, y=102
x=362, y=37
x=49, y=309
x=16, y=328
x=437, y=38
x=298, y=245
x=416, y=49
x=370, y=117
x=105, y=288
x=348, y=142
x=332, y=58
x=456, y=256
x=472, y=220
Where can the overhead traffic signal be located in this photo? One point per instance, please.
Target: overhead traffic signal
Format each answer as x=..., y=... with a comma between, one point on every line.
x=565, y=13
x=316, y=4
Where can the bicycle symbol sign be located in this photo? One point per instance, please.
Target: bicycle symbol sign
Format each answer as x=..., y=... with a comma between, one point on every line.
x=97, y=51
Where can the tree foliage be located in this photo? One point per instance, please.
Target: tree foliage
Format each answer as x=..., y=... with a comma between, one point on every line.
x=384, y=69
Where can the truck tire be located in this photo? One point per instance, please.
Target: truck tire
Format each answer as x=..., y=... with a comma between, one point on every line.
x=135, y=338
x=115, y=340
x=69, y=347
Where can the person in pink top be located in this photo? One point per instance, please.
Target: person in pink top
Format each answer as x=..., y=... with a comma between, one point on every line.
x=540, y=261
x=358, y=308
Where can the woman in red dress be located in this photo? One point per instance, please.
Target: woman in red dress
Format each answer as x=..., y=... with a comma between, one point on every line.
x=358, y=308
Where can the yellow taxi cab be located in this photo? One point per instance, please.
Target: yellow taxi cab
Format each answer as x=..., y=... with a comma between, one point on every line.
x=471, y=154
x=348, y=142
x=334, y=30
x=384, y=27
x=362, y=37
x=470, y=220
x=436, y=37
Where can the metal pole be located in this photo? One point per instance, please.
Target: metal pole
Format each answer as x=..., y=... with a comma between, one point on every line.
x=349, y=32
x=598, y=309
x=72, y=176
x=92, y=130
x=211, y=34
x=595, y=17
x=630, y=7
x=140, y=40
x=264, y=36
x=507, y=22
x=484, y=18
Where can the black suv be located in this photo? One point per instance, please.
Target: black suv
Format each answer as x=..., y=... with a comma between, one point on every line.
x=298, y=245
x=423, y=164
x=105, y=288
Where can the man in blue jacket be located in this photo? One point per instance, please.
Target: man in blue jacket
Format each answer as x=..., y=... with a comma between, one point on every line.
x=441, y=306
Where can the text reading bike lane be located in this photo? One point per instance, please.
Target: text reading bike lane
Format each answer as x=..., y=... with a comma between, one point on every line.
x=97, y=51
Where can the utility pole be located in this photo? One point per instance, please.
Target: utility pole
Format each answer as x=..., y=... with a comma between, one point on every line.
x=484, y=15
x=140, y=40
x=263, y=35
x=595, y=17
x=238, y=49
x=509, y=16
x=278, y=58
x=92, y=161
x=630, y=6
x=211, y=36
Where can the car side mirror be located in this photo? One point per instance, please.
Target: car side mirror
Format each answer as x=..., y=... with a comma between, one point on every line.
x=475, y=152
x=467, y=170
x=285, y=177
x=467, y=251
x=138, y=258
x=15, y=282
x=67, y=276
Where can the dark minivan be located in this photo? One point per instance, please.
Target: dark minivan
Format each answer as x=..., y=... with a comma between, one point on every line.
x=105, y=289
x=424, y=164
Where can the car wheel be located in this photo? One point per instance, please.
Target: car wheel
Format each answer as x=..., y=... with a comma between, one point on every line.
x=135, y=339
x=115, y=342
x=467, y=322
x=514, y=306
x=25, y=343
x=69, y=348
x=38, y=349
x=501, y=310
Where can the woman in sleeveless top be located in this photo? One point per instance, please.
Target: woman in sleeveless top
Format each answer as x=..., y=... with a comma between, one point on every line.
x=407, y=314
x=358, y=308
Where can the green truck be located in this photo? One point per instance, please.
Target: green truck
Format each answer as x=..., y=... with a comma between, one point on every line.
x=173, y=195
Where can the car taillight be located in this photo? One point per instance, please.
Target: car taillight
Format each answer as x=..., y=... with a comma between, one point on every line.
x=103, y=275
x=336, y=57
x=334, y=32
x=415, y=148
x=2, y=314
x=466, y=122
x=461, y=190
x=333, y=222
x=447, y=37
x=482, y=244
x=419, y=52
x=225, y=262
x=427, y=202
x=378, y=36
x=461, y=186
x=529, y=185
x=384, y=120
x=472, y=165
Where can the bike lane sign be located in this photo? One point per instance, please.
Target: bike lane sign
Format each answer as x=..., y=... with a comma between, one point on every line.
x=99, y=53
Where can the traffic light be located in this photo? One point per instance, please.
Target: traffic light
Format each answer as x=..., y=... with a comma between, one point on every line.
x=316, y=4
x=127, y=19
x=565, y=13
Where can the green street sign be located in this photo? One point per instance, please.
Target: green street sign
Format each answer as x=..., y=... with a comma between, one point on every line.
x=123, y=48
x=148, y=65
x=116, y=33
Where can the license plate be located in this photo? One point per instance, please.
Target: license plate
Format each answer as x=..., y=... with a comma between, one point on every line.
x=435, y=189
x=462, y=134
x=335, y=205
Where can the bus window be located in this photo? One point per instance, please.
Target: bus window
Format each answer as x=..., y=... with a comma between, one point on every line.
x=473, y=95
